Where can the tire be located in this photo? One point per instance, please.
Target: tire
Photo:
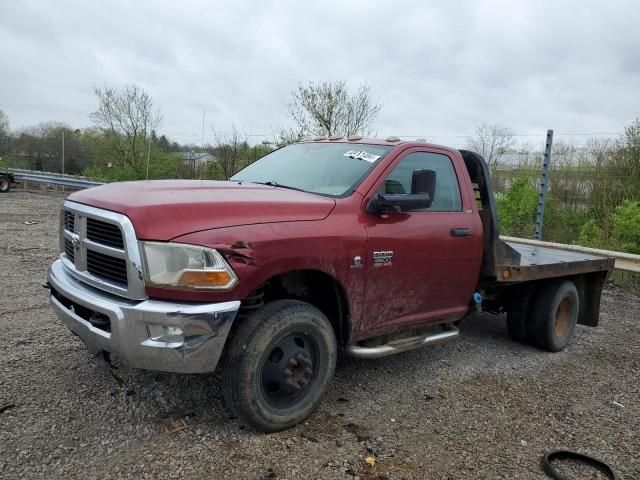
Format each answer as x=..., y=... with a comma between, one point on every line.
x=5, y=184
x=519, y=314
x=278, y=365
x=555, y=315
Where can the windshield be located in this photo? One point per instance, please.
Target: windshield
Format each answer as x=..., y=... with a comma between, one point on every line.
x=325, y=168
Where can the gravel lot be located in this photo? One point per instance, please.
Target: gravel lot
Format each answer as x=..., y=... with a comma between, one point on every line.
x=479, y=407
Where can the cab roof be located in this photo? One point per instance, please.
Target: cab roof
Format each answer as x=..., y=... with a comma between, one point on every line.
x=388, y=142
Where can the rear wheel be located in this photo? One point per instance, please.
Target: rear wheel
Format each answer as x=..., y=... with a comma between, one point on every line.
x=5, y=184
x=278, y=365
x=519, y=313
x=555, y=315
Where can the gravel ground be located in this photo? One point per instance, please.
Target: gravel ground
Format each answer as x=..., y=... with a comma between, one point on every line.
x=479, y=407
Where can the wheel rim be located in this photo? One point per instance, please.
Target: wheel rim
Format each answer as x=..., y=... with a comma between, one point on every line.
x=288, y=369
x=4, y=184
x=564, y=314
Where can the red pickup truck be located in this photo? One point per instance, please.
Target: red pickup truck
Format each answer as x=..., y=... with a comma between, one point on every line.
x=369, y=246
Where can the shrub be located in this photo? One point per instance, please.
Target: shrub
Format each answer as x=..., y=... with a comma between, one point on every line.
x=562, y=225
x=517, y=209
x=591, y=235
x=626, y=226
x=161, y=165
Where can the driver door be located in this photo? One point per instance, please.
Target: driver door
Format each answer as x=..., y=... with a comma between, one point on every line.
x=419, y=268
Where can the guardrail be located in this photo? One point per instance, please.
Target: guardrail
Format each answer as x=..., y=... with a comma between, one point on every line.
x=624, y=261
x=42, y=172
x=53, y=179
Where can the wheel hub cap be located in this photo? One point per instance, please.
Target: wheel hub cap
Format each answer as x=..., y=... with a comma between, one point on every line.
x=563, y=317
x=288, y=369
x=298, y=372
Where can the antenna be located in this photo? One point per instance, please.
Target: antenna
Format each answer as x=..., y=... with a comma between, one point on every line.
x=204, y=112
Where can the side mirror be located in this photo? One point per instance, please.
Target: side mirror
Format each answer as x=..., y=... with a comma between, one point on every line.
x=423, y=186
x=424, y=181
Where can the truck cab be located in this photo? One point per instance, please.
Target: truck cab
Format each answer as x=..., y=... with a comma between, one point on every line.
x=372, y=247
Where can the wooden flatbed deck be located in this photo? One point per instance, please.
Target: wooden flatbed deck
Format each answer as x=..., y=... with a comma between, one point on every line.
x=540, y=262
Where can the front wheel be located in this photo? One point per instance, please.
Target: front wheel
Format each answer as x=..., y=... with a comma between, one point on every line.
x=278, y=365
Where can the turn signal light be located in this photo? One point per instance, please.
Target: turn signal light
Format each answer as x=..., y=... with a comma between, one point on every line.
x=200, y=278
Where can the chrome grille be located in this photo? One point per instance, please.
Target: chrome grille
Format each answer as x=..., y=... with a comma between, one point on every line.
x=69, y=220
x=68, y=249
x=105, y=266
x=99, y=247
x=104, y=233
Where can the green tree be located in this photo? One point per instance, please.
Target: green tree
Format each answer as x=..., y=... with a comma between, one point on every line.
x=517, y=208
x=4, y=133
x=626, y=226
x=40, y=148
x=4, y=140
x=106, y=168
x=126, y=117
x=230, y=148
x=591, y=234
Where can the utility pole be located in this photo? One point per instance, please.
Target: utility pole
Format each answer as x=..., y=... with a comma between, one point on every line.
x=63, y=157
x=148, y=157
x=544, y=186
x=204, y=112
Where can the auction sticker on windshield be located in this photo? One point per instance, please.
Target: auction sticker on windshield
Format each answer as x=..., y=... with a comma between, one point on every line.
x=362, y=155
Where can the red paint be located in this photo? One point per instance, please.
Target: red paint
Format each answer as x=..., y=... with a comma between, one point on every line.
x=164, y=209
x=433, y=274
x=431, y=279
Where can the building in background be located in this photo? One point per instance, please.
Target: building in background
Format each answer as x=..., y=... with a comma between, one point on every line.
x=197, y=159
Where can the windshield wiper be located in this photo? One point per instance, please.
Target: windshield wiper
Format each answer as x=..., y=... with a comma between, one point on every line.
x=272, y=183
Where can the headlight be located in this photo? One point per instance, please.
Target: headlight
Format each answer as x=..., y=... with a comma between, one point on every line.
x=186, y=267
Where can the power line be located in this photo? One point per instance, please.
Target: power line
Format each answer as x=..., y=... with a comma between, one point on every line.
x=514, y=135
x=418, y=136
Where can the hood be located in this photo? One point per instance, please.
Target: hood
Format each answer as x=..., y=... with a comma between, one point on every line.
x=164, y=209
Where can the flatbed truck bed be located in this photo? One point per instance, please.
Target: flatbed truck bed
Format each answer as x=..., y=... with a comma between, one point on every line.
x=538, y=263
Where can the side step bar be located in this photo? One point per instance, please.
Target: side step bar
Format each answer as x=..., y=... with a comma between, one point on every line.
x=402, y=345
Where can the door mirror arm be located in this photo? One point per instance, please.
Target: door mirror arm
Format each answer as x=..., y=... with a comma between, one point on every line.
x=397, y=203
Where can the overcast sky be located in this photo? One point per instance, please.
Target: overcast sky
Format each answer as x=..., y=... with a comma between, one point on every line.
x=438, y=70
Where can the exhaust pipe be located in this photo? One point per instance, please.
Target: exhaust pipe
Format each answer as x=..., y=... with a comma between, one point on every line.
x=403, y=345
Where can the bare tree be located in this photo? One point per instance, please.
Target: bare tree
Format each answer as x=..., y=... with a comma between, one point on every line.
x=127, y=116
x=4, y=132
x=4, y=123
x=599, y=151
x=229, y=149
x=524, y=148
x=287, y=136
x=332, y=109
x=564, y=153
x=491, y=141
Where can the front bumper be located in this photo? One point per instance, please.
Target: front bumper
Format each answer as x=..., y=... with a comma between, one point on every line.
x=205, y=326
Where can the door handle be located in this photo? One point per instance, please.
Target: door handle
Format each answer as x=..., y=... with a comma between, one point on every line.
x=460, y=232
